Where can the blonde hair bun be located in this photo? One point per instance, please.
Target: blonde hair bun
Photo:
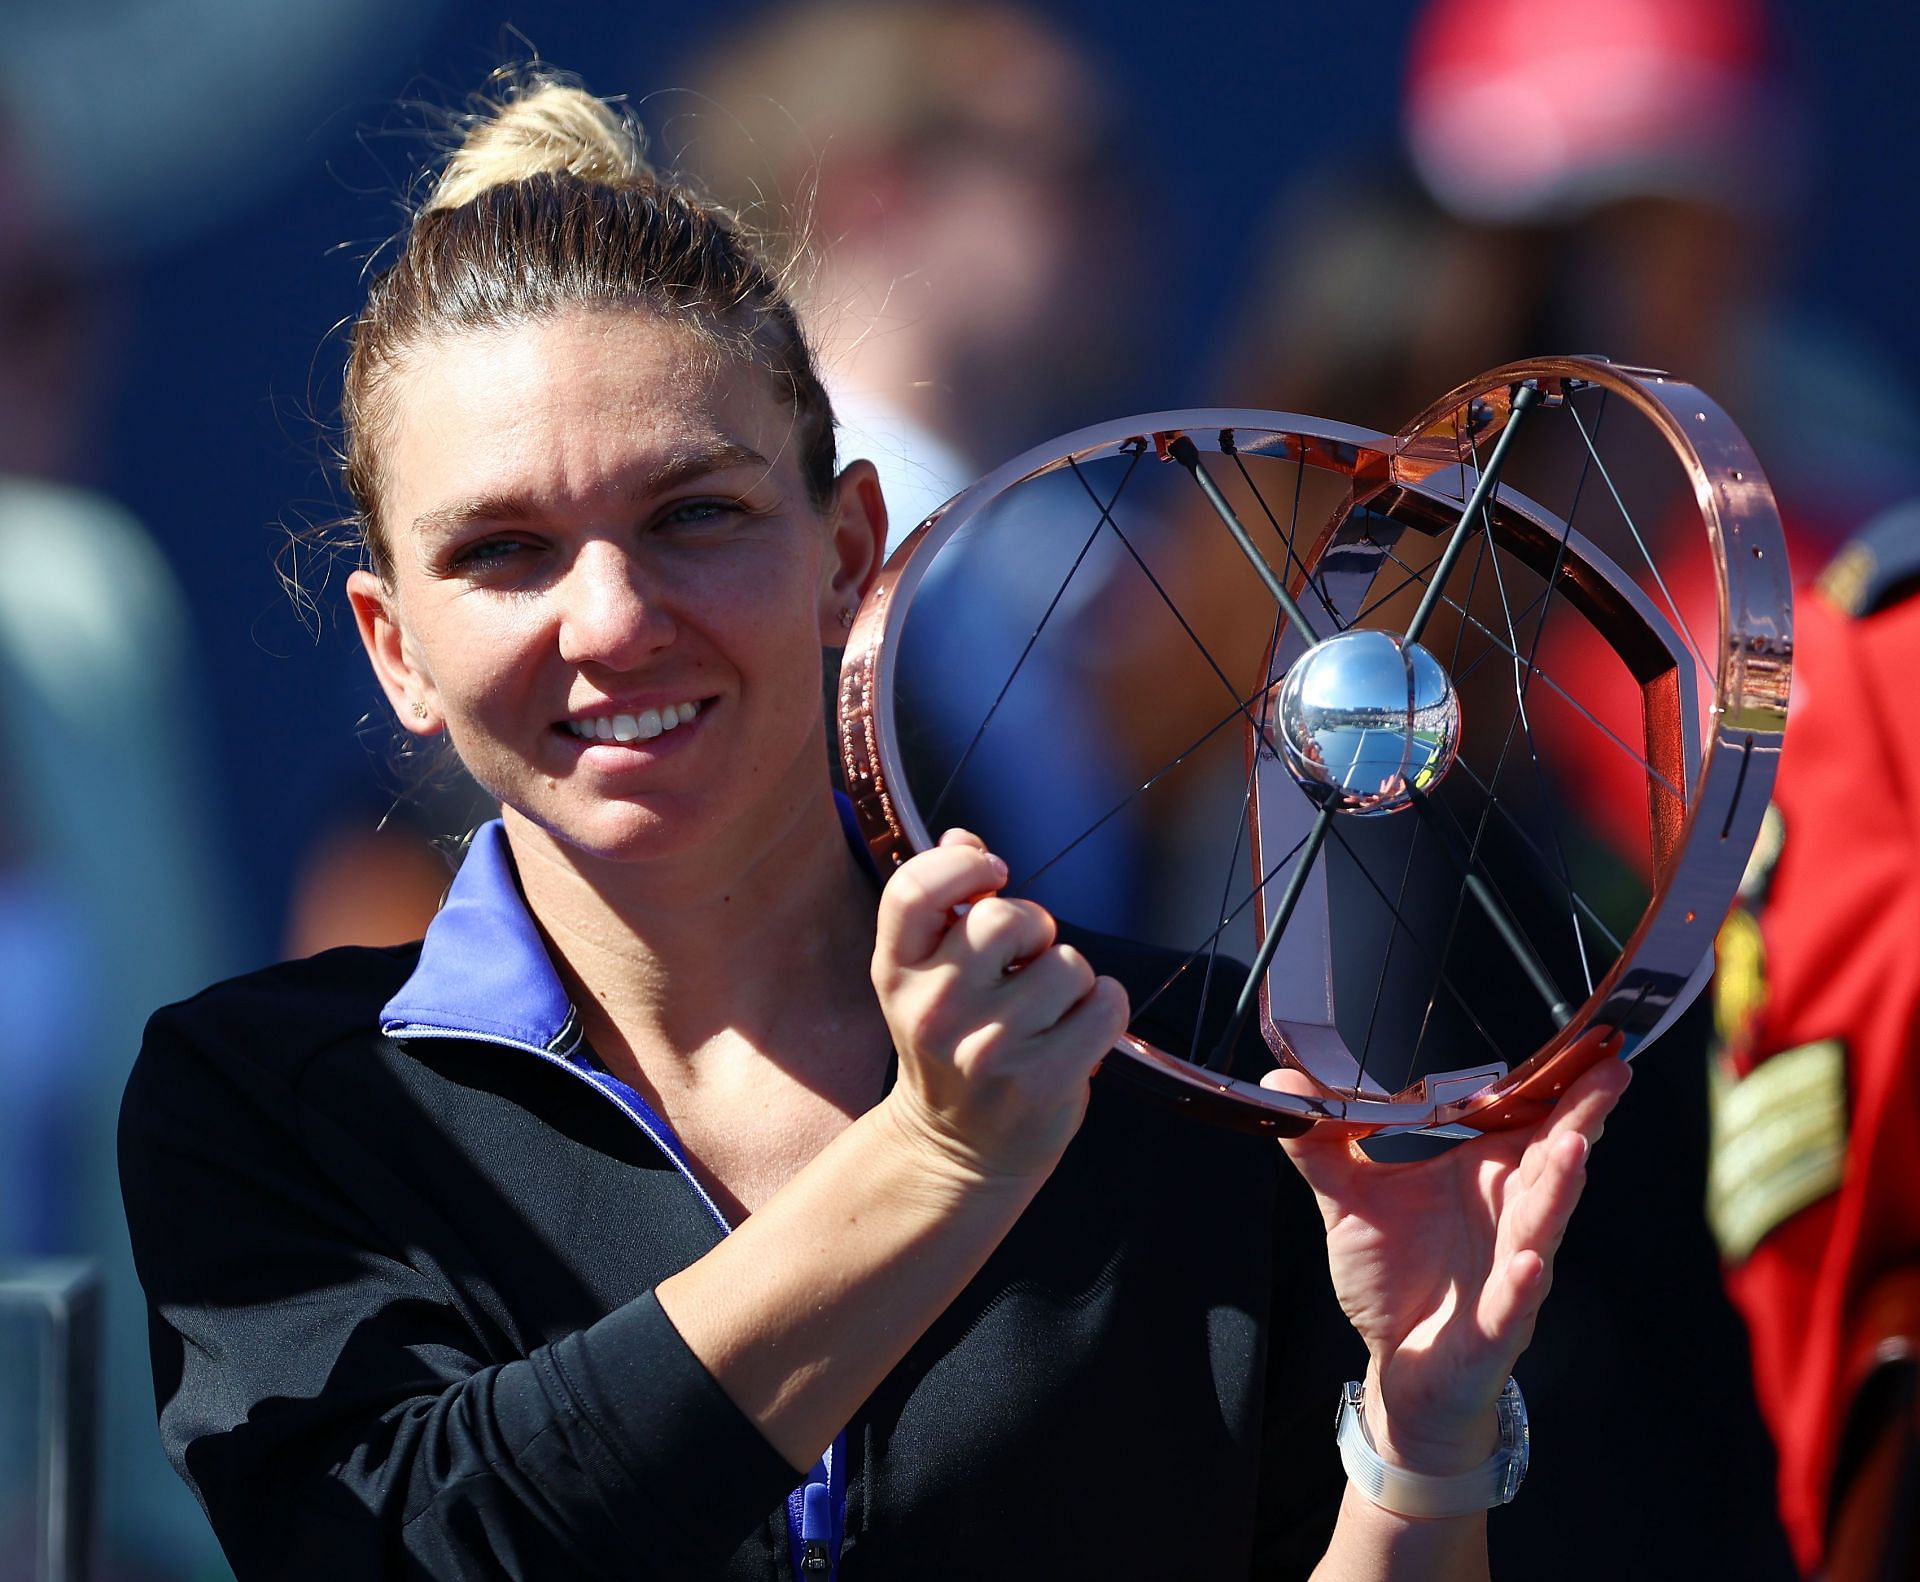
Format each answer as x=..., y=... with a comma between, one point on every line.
x=543, y=127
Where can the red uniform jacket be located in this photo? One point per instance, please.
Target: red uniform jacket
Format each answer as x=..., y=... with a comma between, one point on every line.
x=1815, y=1188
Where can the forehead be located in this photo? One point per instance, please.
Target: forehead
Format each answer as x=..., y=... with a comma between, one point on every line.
x=566, y=407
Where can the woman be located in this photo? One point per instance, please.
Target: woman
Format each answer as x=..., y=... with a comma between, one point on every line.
x=436, y=1239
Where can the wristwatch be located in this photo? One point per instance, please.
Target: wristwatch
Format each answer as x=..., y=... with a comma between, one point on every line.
x=1493, y=1482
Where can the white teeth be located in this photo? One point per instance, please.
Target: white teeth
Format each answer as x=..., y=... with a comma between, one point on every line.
x=644, y=726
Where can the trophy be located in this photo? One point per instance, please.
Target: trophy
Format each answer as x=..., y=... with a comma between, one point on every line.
x=1441, y=753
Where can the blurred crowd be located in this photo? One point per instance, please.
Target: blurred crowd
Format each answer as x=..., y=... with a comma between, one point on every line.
x=981, y=217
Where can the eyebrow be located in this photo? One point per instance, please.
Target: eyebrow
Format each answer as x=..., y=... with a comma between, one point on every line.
x=670, y=473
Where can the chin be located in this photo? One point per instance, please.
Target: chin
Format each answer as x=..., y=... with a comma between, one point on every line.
x=621, y=831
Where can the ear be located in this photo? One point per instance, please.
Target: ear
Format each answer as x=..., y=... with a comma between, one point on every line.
x=407, y=685
x=859, y=520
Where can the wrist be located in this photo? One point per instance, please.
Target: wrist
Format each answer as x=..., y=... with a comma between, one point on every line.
x=1425, y=1492
x=1433, y=1442
x=943, y=1162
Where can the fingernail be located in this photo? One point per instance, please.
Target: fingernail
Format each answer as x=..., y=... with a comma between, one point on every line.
x=999, y=866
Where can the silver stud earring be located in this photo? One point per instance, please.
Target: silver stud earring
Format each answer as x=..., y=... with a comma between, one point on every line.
x=419, y=710
x=846, y=618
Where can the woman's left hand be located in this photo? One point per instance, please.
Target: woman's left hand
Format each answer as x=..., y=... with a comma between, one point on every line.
x=1442, y=1265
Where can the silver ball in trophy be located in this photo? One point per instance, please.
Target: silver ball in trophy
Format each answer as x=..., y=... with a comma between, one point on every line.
x=1365, y=720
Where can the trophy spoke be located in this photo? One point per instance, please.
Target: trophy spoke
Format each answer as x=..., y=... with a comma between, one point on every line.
x=1480, y=559
x=1263, y=958
x=1183, y=451
x=1416, y=576
x=1499, y=646
x=1489, y=804
x=940, y=801
x=1413, y=843
x=1240, y=830
x=1660, y=582
x=1439, y=977
x=1522, y=680
x=1521, y=617
x=1519, y=830
x=1490, y=902
x=1522, y=675
x=1173, y=609
x=1412, y=578
x=1524, y=400
x=1239, y=711
x=1441, y=980
x=1531, y=966
x=1226, y=889
x=1399, y=910
x=1473, y=884
x=1226, y=922
x=1293, y=524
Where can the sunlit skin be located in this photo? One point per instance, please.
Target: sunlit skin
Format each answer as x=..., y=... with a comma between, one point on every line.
x=1442, y=1266
x=597, y=513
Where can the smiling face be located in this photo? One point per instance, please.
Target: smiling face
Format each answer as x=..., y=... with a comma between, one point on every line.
x=608, y=582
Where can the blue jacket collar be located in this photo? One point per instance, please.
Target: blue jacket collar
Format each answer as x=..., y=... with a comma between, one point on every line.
x=484, y=971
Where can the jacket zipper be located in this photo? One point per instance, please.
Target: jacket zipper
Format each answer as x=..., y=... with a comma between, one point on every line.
x=656, y=1131
x=816, y=1524
x=812, y=1508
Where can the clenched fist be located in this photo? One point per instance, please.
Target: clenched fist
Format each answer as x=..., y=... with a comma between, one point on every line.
x=998, y=1027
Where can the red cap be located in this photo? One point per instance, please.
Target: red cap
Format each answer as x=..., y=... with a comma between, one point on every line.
x=1538, y=109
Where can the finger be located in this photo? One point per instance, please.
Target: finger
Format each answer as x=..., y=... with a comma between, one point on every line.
x=916, y=907
x=1533, y=1221
x=1324, y=1153
x=1536, y=1215
x=997, y=935
x=1511, y=1304
x=1045, y=990
x=1591, y=1096
x=961, y=837
x=1091, y=1028
x=1583, y=1110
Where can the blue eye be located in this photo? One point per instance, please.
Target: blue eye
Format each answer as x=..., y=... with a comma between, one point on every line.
x=488, y=552
x=702, y=513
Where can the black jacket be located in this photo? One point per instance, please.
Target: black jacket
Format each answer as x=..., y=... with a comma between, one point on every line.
x=403, y=1326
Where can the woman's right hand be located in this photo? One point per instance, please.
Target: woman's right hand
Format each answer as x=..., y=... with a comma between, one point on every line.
x=998, y=1027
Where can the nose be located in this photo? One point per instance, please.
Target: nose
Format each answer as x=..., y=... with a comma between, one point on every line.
x=613, y=612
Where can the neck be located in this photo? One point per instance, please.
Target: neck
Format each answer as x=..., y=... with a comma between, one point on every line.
x=760, y=938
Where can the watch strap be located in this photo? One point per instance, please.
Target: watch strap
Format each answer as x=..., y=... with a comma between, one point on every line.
x=1407, y=1493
